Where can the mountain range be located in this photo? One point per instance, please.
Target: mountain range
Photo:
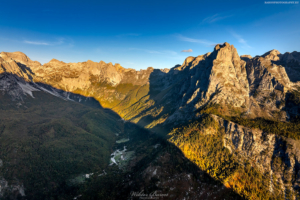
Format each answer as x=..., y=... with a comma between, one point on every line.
x=219, y=120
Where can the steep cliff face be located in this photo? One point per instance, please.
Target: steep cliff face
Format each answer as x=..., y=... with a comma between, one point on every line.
x=253, y=87
x=268, y=85
x=255, y=163
x=272, y=154
x=217, y=78
x=9, y=65
x=221, y=82
x=229, y=76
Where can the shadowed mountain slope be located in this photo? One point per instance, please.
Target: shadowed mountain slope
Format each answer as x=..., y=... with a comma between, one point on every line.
x=52, y=147
x=240, y=110
x=254, y=87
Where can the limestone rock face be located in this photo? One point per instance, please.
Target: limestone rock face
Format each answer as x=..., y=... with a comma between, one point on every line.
x=8, y=65
x=256, y=87
x=263, y=86
x=291, y=62
x=218, y=77
x=98, y=80
x=270, y=153
x=245, y=57
x=270, y=78
x=228, y=77
x=272, y=55
x=74, y=76
x=19, y=58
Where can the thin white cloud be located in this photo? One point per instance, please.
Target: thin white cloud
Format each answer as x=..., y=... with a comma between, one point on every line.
x=36, y=42
x=240, y=39
x=58, y=42
x=189, y=50
x=214, y=18
x=200, y=41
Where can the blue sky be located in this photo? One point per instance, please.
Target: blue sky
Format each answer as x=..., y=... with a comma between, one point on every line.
x=141, y=33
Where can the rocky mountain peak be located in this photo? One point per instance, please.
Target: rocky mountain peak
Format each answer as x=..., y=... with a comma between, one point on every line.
x=221, y=82
x=219, y=46
x=226, y=52
x=221, y=77
x=245, y=57
x=288, y=57
x=18, y=56
x=8, y=65
x=17, y=60
x=228, y=76
x=272, y=55
x=117, y=65
x=186, y=62
x=53, y=60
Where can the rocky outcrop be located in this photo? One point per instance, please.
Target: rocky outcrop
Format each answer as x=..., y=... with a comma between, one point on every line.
x=83, y=74
x=269, y=85
x=219, y=77
x=254, y=87
x=8, y=65
x=229, y=76
x=11, y=191
x=291, y=62
x=16, y=87
x=14, y=190
x=20, y=57
x=90, y=79
x=270, y=153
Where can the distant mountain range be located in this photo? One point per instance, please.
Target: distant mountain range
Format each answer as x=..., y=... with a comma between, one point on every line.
x=234, y=118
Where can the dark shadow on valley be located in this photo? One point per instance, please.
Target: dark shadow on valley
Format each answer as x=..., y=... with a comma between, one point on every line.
x=165, y=88
x=165, y=156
